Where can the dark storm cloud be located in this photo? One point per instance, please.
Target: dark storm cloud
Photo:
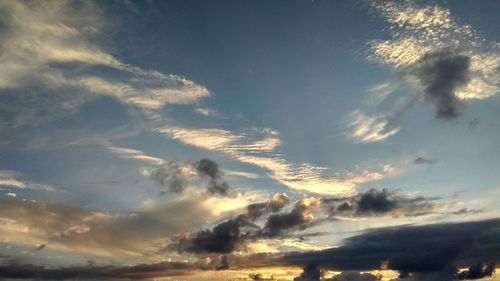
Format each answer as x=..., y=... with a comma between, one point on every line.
x=299, y=218
x=170, y=176
x=311, y=273
x=409, y=249
x=356, y=276
x=422, y=160
x=141, y=271
x=228, y=235
x=380, y=202
x=209, y=169
x=440, y=73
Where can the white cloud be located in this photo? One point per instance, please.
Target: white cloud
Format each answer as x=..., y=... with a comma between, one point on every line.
x=365, y=128
x=260, y=148
x=14, y=179
x=206, y=111
x=51, y=46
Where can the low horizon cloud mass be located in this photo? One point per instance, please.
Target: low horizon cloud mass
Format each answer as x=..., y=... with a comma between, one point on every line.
x=249, y=140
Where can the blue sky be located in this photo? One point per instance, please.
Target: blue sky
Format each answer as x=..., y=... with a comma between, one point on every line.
x=173, y=117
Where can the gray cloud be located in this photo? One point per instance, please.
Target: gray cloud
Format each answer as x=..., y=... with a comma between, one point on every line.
x=310, y=273
x=227, y=236
x=209, y=169
x=410, y=249
x=440, y=73
x=477, y=271
x=356, y=276
x=380, y=202
x=299, y=218
x=422, y=160
x=175, y=176
x=141, y=271
x=170, y=175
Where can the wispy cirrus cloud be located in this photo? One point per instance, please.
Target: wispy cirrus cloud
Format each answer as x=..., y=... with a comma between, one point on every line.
x=260, y=148
x=12, y=179
x=51, y=47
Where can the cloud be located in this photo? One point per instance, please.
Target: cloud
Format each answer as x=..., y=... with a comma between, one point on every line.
x=356, y=276
x=419, y=30
x=52, y=47
x=409, y=249
x=299, y=218
x=210, y=169
x=78, y=230
x=260, y=148
x=440, y=73
x=175, y=176
x=12, y=179
x=310, y=273
x=141, y=271
x=256, y=210
x=447, y=63
x=477, y=271
x=370, y=128
x=206, y=111
x=379, y=203
x=421, y=160
x=170, y=175
x=228, y=235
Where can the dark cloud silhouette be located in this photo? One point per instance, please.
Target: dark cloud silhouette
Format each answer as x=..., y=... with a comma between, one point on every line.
x=410, y=249
x=422, y=160
x=223, y=238
x=380, y=202
x=477, y=271
x=141, y=271
x=209, y=169
x=228, y=235
x=299, y=218
x=356, y=276
x=170, y=176
x=310, y=273
x=441, y=73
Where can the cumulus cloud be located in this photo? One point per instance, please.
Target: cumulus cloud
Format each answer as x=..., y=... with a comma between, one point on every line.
x=299, y=218
x=228, y=235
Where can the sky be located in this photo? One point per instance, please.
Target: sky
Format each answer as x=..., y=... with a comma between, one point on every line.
x=249, y=140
